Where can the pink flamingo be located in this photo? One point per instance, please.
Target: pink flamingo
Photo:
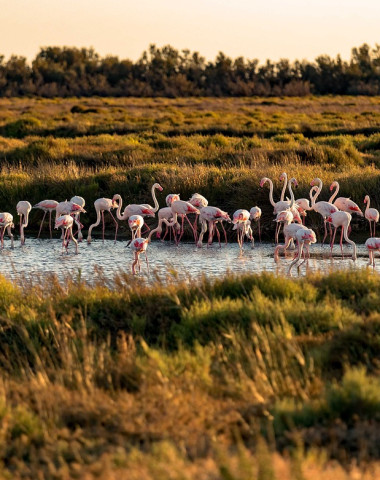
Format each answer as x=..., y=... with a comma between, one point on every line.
x=240, y=220
x=255, y=215
x=135, y=223
x=154, y=209
x=182, y=208
x=373, y=245
x=166, y=213
x=6, y=223
x=344, y=204
x=46, y=206
x=199, y=201
x=143, y=209
x=342, y=219
x=290, y=230
x=132, y=209
x=66, y=222
x=81, y=202
x=303, y=206
x=73, y=209
x=372, y=215
x=139, y=245
x=23, y=209
x=325, y=209
x=103, y=205
x=210, y=216
x=305, y=237
x=282, y=204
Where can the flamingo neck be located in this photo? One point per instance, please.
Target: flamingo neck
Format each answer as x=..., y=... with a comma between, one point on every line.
x=331, y=199
x=156, y=206
x=118, y=215
x=284, y=187
x=291, y=194
x=316, y=195
x=368, y=204
x=345, y=235
x=271, y=192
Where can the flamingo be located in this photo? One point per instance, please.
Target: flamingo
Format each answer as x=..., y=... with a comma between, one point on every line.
x=23, y=209
x=290, y=230
x=166, y=213
x=303, y=206
x=373, y=245
x=282, y=204
x=172, y=197
x=143, y=209
x=103, y=205
x=133, y=209
x=372, y=215
x=240, y=220
x=154, y=209
x=81, y=202
x=46, y=206
x=325, y=209
x=199, y=201
x=135, y=223
x=255, y=214
x=305, y=237
x=284, y=178
x=211, y=215
x=66, y=222
x=139, y=245
x=6, y=222
x=73, y=209
x=344, y=204
x=182, y=208
x=343, y=220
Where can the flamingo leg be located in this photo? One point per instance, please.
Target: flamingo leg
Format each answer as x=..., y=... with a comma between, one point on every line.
x=21, y=222
x=370, y=228
x=258, y=224
x=333, y=240
x=217, y=234
x=134, y=264
x=117, y=225
x=325, y=235
x=374, y=228
x=277, y=232
x=192, y=228
x=103, y=225
x=51, y=234
x=341, y=243
x=147, y=263
x=74, y=240
x=195, y=229
x=182, y=229
x=210, y=233
x=10, y=234
x=167, y=229
x=42, y=221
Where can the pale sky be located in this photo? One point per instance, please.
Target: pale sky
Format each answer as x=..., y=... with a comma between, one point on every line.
x=274, y=29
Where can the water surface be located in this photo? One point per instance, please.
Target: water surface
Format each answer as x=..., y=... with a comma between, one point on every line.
x=39, y=257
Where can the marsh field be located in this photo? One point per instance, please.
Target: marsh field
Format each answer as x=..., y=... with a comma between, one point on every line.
x=245, y=376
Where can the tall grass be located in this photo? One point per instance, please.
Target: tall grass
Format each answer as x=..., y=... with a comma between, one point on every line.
x=101, y=381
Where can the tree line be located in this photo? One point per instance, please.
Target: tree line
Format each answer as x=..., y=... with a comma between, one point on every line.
x=168, y=72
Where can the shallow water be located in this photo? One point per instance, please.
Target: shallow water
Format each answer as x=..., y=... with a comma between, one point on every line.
x=39, y=257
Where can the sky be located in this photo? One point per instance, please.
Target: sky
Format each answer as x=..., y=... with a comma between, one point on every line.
x=262, y=29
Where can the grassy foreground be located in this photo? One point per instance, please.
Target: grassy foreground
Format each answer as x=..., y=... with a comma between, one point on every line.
x=251, y=377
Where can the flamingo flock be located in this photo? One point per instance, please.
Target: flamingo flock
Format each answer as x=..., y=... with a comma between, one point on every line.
x=290, y=214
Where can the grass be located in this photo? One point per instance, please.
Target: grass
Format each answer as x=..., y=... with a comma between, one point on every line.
x=104, y=381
